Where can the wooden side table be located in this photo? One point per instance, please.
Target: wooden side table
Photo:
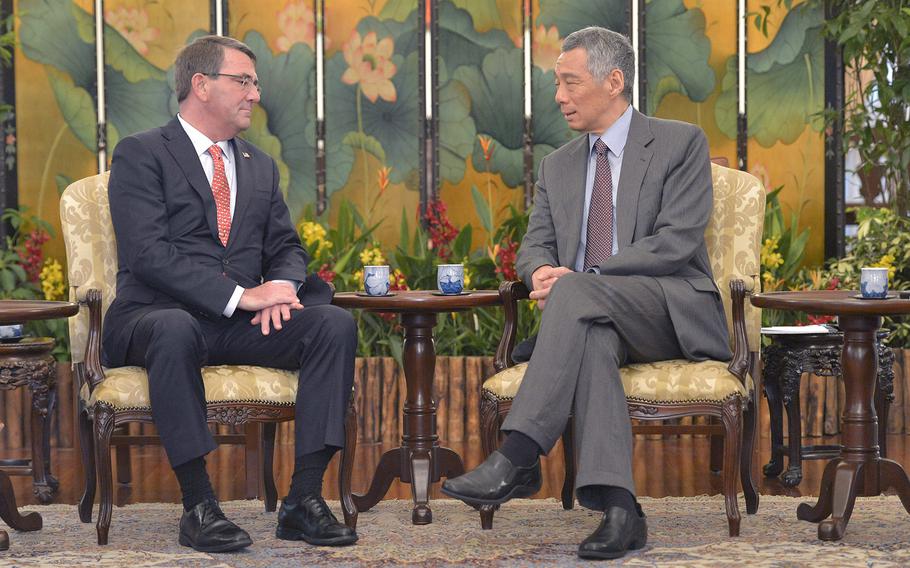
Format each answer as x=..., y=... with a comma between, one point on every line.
x=789, y=356
x=859, y=470
x=420, y=460
x=23, y=363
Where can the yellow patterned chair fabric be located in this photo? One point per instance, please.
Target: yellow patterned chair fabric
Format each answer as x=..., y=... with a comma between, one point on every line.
x=670, y=389
x=236, y=394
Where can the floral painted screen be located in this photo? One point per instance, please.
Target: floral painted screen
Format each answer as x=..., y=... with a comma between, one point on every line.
x=372, y=94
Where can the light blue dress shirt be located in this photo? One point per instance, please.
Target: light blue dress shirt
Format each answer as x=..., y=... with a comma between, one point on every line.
x=615, y=138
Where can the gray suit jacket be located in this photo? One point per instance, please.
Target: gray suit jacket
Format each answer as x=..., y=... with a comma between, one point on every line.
x=663, y=203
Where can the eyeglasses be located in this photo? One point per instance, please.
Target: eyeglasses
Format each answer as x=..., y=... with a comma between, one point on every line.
x=246, y=82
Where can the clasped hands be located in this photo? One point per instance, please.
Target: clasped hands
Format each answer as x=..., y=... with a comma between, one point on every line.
x=542, y=280
x=272, y=302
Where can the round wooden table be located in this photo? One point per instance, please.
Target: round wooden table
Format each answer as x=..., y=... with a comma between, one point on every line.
x=859, y=470
x=18, y=362
x=420, y=460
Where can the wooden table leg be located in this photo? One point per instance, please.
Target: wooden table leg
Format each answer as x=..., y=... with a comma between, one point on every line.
x=42, y=384
x=10, y=514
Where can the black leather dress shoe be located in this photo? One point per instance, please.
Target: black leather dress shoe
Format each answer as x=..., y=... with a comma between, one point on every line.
x=619, y=532
x=311, y=520
x=205, y=528
x=494, y=481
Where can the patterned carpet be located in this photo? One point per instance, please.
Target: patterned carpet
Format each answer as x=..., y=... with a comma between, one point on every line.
x=683, y=532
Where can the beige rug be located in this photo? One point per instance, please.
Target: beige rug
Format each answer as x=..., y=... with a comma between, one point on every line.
x=683, y=532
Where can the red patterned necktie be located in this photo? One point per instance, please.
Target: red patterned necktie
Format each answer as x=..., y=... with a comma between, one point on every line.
x=222, y=193
x=599, y=244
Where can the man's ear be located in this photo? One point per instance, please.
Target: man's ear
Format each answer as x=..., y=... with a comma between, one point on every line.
x=617, y=82
x=199, y=84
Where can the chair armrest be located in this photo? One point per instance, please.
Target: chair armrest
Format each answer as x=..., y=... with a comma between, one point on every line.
x=91, y=297
x=510, y=292
x=739, y=365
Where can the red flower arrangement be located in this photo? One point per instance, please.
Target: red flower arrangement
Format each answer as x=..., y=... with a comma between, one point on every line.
x=441, y=231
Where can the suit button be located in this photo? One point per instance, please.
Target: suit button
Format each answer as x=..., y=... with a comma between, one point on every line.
x=225, y=262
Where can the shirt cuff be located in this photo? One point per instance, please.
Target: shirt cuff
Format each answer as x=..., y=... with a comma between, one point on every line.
x=232, y=303
x=594, y=270
x=293, y=283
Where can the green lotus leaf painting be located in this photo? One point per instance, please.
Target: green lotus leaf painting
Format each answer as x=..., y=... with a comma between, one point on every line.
x=496, y=93
x=50, y=34
x=288, y=98
x=785, y=82
x=571, y=15
x=677, y=53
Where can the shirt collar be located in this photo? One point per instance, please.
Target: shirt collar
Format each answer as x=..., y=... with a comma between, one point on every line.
x=202, y=143
x=615, y=137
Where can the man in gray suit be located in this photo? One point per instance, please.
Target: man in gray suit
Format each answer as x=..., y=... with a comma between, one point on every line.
x=616, y=284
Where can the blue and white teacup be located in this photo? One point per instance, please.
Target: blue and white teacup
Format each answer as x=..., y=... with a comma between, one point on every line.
x=873, y=283
x=376, y=280
x=450, y=278
x=11, y=333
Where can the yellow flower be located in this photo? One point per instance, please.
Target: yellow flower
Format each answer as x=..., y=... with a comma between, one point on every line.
x=770, y=258
x=358, y=278
x=314, y=236
x=52, y=281
x=467, y=278
x=370, y=64
x=887, y=261
x=372, y=256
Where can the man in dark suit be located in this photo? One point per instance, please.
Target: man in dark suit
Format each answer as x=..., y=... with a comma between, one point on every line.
x=617, y=285
x=211, y=271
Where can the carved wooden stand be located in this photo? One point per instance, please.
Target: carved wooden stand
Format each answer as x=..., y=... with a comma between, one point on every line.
x=786, y=359
x=29, y=363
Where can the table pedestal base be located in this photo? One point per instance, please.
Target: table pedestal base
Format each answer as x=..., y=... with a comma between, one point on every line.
x=842, y=482
x=10, y=514
x=420, y=468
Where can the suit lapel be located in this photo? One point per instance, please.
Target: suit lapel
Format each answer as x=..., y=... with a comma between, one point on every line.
x=183, y=152
x=243, y=171
x=572, y=197
x=635, y=160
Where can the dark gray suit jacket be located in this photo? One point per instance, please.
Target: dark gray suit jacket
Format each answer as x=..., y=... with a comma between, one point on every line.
x=168, y=250
x=663, y=203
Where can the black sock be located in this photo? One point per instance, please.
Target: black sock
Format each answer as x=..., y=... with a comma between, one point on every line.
x=194, y=482
x=309, y=469
x=614, y=496
x=521, y=450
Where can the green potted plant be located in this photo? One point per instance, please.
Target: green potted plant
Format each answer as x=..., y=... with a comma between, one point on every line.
x=873, y=37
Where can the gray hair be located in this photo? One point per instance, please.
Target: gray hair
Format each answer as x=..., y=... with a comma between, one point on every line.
x=607, y=50
x=204, y=55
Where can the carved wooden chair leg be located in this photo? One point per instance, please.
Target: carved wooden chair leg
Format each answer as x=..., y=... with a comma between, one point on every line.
x=87, y=447
x=717, y=451
x=124, y=472
x=268, y=463
x=750, y=492
x=490, y=420
x=568, y=451
x=253, y=434
x=346, y=467
x=104, y=426
x=733, y=433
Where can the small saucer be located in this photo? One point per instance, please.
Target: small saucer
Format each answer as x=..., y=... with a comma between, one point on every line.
x=458, y=294
x=365, y=295
x=861, y=297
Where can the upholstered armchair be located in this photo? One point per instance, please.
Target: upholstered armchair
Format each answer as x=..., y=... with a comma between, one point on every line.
x=108, y=398
x=677, y=388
